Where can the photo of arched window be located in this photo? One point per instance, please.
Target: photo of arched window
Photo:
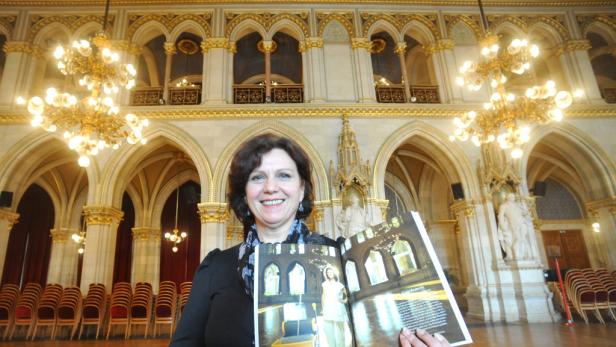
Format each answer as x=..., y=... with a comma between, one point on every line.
x=375, y=268
x=272, y=280
x=350, y=270
x=297, y=280
x=404, y=257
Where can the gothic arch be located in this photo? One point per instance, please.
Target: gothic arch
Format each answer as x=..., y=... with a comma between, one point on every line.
x=607, y=32
x=319, y=175
x=244, y=28
x=469, y=22
x=288, y=27
x=348, y=26
x=83, y=31
x=419, y=31
x=189, y=26
x=52, y=30
x=458, y=166
x=123, y=161
x=165, y=191
x=387, y=24
x=149, y=30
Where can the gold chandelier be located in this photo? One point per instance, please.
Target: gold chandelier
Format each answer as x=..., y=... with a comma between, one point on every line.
x=507, y=117
x=90, y=122
x=176, y=237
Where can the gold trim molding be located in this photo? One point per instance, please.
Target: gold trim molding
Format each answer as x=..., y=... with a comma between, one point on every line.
x=213, y=212
x=60, y=235
x=102, y=215
x=215, y=42
x=462, y=208
x=168, y=20
x=440, y=45
x=361, y=42
x=310, y=42
x=145, y=234
x=10, y=217
x=573, y=45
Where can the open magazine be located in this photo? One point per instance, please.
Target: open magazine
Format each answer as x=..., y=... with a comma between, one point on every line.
x=380, y=280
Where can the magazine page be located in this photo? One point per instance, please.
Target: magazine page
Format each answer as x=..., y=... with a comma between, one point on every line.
x=300, y=297
x=395, y=280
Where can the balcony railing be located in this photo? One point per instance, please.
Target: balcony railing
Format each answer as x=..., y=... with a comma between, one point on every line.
x=609, y=95
x=255, y=93
x=288, y=93
x=425, y=95
x=390, y=94
x=147, y=96
x=185, y=95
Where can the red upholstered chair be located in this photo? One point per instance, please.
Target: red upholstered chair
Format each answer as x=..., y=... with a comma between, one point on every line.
x=8, y=298
x=94, y=307
x=120, y=307
x=141, y=306
x=25, y=309
x=165, y=306
x=47, y=310
x=69, y=311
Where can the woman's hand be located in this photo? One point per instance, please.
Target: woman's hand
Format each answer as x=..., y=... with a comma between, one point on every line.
x=421, y=338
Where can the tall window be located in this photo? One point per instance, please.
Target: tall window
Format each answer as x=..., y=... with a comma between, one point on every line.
x=375, y=268
x=272, y=280
x=404, y=257
x=351, y=274
x=297, y=280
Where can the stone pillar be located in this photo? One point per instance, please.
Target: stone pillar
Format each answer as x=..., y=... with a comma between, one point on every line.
x=214, y=216
x=170, y=51
x=267, y=50
x=604, y=213
x=215, y=80
x=146, y=256
x=400, y=50
x=444, y=62
x=7, y=220
x=98, y=257
x=363, y=69
x=574, y=57
x=64, y=258
x=14, y=70
x=314, y=66
x=232, y=49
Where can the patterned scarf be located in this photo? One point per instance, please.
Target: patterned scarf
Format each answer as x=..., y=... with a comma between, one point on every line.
x=246, y=264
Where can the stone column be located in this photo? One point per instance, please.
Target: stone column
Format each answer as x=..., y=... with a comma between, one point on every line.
x=604, y=213
x=99, y=255
x=574, y=57
x=11, y=85
x=64, y=257
x=267, y=50
x=314, y=65
x=215, y=80
x=214, y=216
x=444, y=62
x=146, y=256
x=232, y=49
x=400, y=50
x=363, y=69
x=7, y=220
x=170, y=51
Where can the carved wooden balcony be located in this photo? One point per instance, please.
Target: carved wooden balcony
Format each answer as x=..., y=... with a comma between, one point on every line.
x=393, y=93
x=609, y=95
x=148, y=96
x=185, y=95
x=288, y=93
x=248, y=94
x=425, y=95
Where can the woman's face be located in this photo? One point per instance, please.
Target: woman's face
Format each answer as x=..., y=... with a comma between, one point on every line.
x=274, y=191
x=330, y=274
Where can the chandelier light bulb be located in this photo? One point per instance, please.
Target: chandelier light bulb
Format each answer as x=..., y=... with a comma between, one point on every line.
x=578, y=93
x=596, y=227
x=556, y=114
x=80, y=250
x=183, y=234
x=83, y=161
x=167, y=235
x=516, y=153
x=174, y=249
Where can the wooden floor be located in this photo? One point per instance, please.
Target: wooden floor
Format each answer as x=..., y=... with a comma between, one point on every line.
x=502, y=335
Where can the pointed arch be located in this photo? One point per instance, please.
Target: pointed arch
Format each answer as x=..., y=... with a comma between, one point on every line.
x=149, y=30
x=384, y=23
x=52, y=30
x=289, y=27
x=319, y=175
x=243, y=25
x=82, y=31
x=419, y=31
x=458, y=164
x=602, y=29
x=348, y=26
x=548, y=32
x=469, y=22
x=189, y=26
x=165, y=192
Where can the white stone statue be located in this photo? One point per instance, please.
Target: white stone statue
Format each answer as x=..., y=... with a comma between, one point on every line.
x=352, y=219
x=515, y=229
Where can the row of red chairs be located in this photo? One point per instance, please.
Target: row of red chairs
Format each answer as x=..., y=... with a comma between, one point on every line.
x=592, y=290
x=55, y=308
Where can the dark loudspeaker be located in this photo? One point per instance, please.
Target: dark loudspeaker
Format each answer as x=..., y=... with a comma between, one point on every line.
x=6, y=199
x=191, y=194
x=458, y=192
x=539, y=189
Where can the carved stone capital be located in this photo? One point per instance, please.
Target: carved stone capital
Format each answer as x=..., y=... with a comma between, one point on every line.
x=10, y=217
x=170, y=48
x=213, y=212
x=440, y=45
x=361, y=42
x=232, y=47
x=145, y=234
x=382, y=204
x=17, y=46
x=573, y=45
x=311, y=42
x=214, y=42
x=61, y=235
x=102, y=215
x=400, y=48
x=268, y=46
x=462, y=209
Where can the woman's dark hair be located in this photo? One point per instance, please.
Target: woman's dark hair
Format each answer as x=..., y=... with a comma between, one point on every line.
x=248, y=157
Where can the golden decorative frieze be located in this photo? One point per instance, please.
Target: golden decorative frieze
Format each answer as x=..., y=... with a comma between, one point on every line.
x=8, y=23
x=145, y=234
x=10, y=217
x=232, y=47
x=595, y=205
x=214, y=42
x=462, y=208
x=310, y=42
x=71, y=22
x=472, y=21
x=23, y=47
x=526, y=22
x=169, y=21
x=344, y=18
x=60, y=235
x=213, y=212
x=361, y=42
x=400, y=21
x=572, y=46
x=267, y=20
x=102, y=215
x=585, y=20
x=440, y=45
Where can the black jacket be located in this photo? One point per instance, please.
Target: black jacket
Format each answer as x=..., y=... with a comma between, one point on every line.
x=219, y=312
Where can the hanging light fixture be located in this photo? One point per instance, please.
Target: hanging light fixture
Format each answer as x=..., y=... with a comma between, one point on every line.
x=89, y=122
x=507, y=117
x=176, y=237
x=80, y=237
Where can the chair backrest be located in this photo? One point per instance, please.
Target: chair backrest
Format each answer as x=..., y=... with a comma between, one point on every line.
x=95, y=301
x=70, y=303
x=166, y=300
x=121, y=300
x=9, y=294
x=185, y=288
x=142, y=300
